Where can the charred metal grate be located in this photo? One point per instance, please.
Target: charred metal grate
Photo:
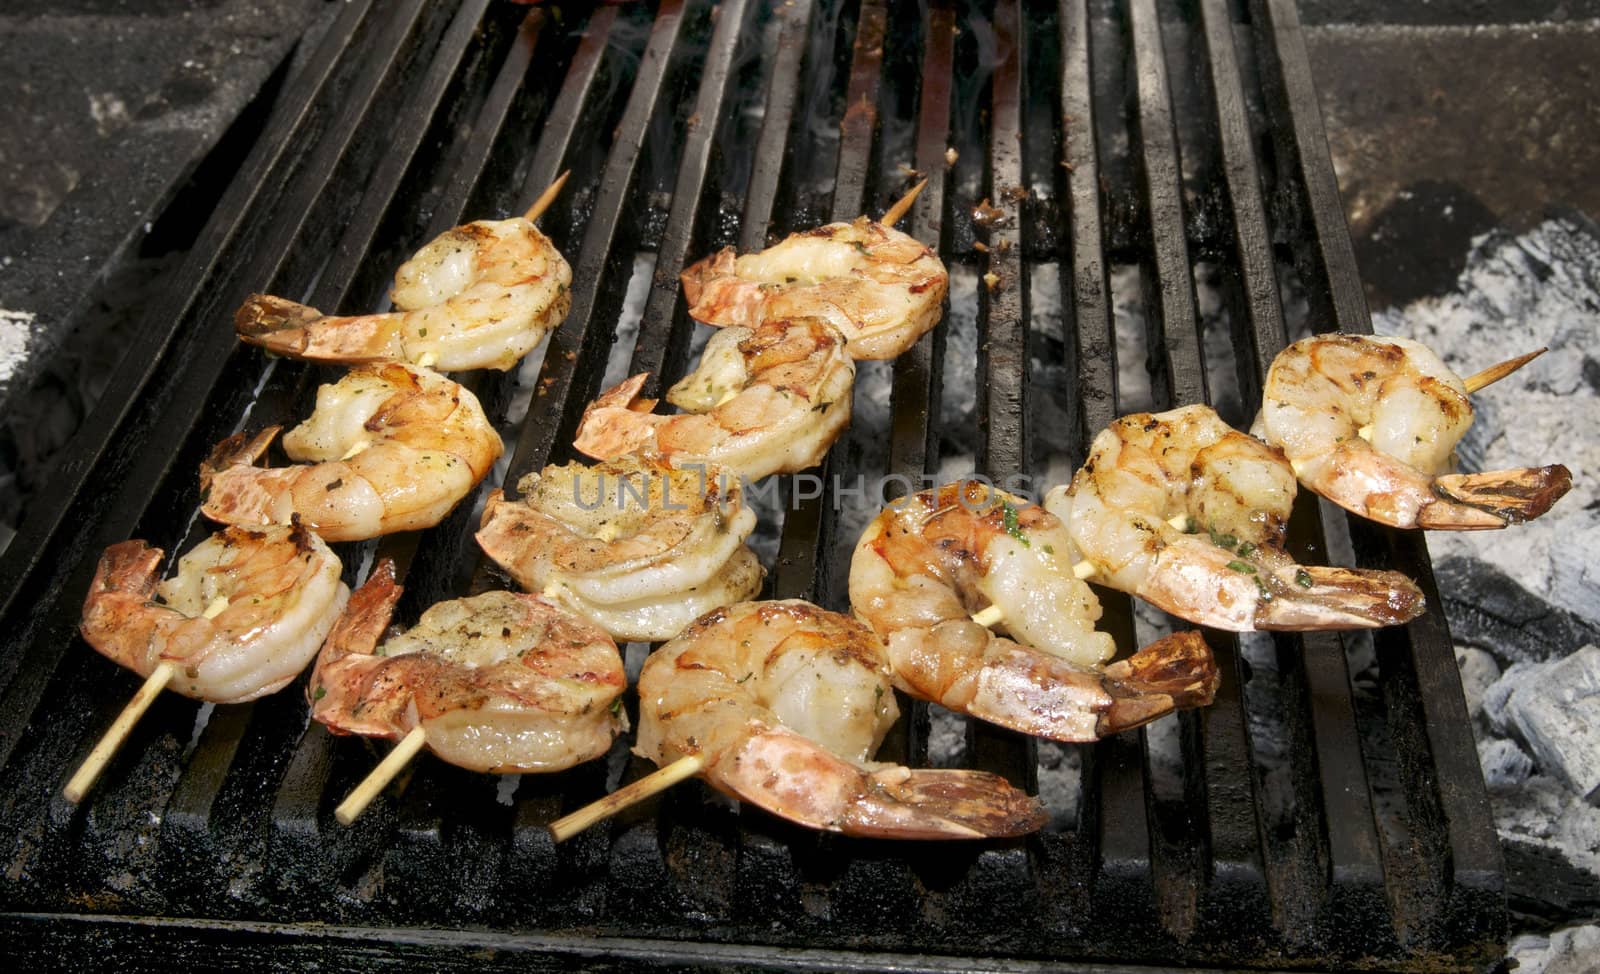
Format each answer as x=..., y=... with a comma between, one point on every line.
x=1179, y=146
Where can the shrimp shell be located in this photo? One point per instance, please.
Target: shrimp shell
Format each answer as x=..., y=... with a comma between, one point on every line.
x=242, y=616
x=479, y=296
x=786, y=703
x=929, y=560
x=394, y=448
x=1325, y=394
x=500, y=682
x=1229, y=571
x=881, y=288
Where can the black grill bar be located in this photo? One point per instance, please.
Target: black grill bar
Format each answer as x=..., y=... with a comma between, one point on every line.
x=215, y=824
x=1341, y=876
x=800, y=572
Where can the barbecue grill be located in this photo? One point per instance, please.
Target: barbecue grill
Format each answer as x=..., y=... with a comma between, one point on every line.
x=1178, y=141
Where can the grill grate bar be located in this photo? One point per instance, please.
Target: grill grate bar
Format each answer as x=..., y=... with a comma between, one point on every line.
x=189, y=811
x=72, y=724
x=1342, y=873
x=334, y=203
x=285, y=138
x=801, y=569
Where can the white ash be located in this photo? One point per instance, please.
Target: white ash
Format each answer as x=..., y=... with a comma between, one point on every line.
x=1505, y=765
x=1060, y=771
x=1554, y=708
x=1517, y=294
x=1134, y=392
x=1573, y=950
x=16, y=336
x=627, y=328
x=1479, y=671
x=947, y=738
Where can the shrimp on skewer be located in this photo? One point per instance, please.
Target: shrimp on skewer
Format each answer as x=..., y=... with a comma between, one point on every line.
x=881, y=288
x=1148, y=470
x=635, y=545
x=1326, y=395
x=768, y=399
x=499, y=682
x=389, y=448
x=929, y=561
x=480, y=296
x=784, y=704
x=242, y=617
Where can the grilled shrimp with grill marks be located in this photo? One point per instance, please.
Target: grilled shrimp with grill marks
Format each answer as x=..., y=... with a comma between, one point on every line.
x=768, y=399
x=1327, y=395
x=635, y=545
x=1229, y=571
x=480, y=296
x=242, y=617
x=389, y=448
x=786, y=704
x=878, y=286
x=933, y=558
x=500, y=682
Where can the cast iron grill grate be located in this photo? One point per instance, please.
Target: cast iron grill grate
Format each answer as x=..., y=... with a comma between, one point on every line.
x=1339, y=823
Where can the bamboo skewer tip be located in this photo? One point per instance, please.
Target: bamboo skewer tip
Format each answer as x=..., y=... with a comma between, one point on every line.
x=656, y=781
x=892, y=215
x=84, y=778
x=351, y=808
x=1495, y=373
x=547, y=197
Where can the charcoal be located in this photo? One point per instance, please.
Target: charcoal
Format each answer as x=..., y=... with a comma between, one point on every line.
x=1505, y=765
x=1555, y=709
x=1490, y=611
x=1479, y=671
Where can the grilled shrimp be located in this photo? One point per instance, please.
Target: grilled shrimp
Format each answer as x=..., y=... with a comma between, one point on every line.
x=879, y=287
x=242, y=617
x=1327, y=394
x=635, y=545
x=389, y=448
x=786, y=704
x=768, y=399
x=930, y=560
x=500, y=682
x=1228, y=569
x=480, y=296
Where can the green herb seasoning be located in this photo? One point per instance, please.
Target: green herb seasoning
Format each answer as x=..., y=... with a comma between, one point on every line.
x=1302, y=578
x=1008, y=517
x=1242, y=566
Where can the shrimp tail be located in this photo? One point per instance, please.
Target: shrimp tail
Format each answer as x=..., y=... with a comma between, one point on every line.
x=1494, y=499
x=1318, y=597
x=612, y=425
x=1175, y=672
x=791, y=776
x=365, y=616
x=715, y=293
x=301, y=331
x=239, y=450
x=128, y=568
x=942, y=803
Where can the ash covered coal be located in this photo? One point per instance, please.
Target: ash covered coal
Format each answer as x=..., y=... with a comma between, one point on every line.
x=1524, y=603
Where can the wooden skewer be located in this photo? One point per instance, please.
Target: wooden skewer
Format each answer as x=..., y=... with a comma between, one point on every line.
x=351, y=808
x=898, y=210
x=659, y=780
x=547, y=197
x=1495, y=373
x=84, y=778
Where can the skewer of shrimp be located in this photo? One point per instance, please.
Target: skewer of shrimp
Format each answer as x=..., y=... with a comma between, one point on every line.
x=499, y=682
x=781, y=705
x=1372, y=423
x=481, y=295
x=242, y=616
x=881, y=288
